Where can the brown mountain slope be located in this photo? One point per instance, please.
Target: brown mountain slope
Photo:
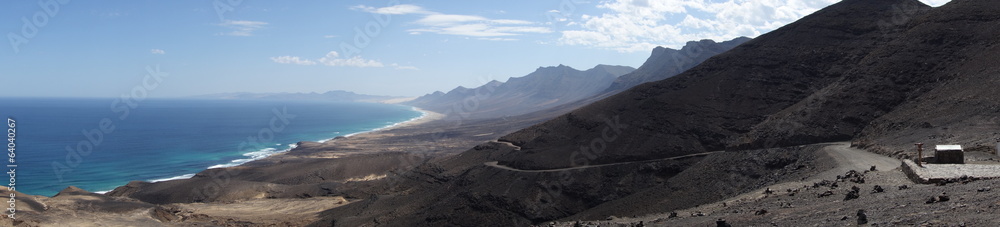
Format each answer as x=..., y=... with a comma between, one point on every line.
x=701, y=109
x=957, y=103
x=932, y=84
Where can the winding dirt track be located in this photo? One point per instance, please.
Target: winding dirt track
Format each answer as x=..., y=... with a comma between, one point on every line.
x=847, y=158
x=496, y=164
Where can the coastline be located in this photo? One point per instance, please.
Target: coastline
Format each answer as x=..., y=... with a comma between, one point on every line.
x=425, y=116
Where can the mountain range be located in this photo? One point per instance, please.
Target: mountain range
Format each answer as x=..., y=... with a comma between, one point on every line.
x=544, y=88
x=567, y=88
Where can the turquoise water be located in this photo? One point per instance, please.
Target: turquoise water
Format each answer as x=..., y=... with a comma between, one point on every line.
x=99, y=144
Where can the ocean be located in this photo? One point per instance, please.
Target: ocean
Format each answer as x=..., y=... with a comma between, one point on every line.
x=99, y=144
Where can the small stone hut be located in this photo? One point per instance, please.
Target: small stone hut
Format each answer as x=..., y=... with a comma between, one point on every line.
x=949, y=154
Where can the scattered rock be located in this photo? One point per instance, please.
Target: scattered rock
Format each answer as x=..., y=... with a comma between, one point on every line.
x=163, y=215
x=862, y=217
x=760, y=212
x=722, y=223
x=986, y=189
x=902, y=187
x=877, y=189
x=872, y=169
x=825, y=183
x=937, y=199
x=825, y=194
x=672, y=214
x=851, y=195
x=855, y=176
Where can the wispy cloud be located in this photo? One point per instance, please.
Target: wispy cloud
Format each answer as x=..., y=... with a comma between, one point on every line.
x=292, y=60
x=157, y=51
x=333, y=58
x=242, y=27
x=394, y=10
x=640, y=25
x=460, y=25
x=397, y=66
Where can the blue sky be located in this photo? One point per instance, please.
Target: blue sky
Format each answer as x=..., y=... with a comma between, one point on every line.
x=403, y=48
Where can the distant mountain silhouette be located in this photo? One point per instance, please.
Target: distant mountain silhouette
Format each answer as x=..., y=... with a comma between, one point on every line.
x=562, y=88
x=336, y=95
x=544, y=88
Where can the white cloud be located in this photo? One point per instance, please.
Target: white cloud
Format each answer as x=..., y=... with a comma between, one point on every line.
x=397, y=66
x=330, y=36
x=640, y=25
x=475, y=26
x=242, y=27
x=443, y=20
x=456, y=24
x=292, y=60
x=157, y=51
x=394, y=10
x=333, y=58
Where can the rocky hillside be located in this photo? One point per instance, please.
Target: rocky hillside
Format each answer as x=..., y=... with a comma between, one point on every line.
x=719, y=103
x=665, y=62
x=933, y=82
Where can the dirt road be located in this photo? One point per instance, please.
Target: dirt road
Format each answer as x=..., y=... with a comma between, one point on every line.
x=849, y=158
x=497, y=165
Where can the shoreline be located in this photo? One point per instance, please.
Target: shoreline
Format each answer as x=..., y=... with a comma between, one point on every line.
x=425, y=116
